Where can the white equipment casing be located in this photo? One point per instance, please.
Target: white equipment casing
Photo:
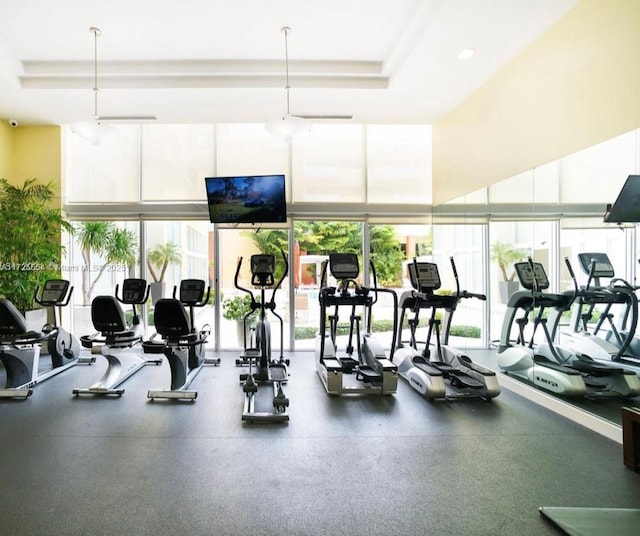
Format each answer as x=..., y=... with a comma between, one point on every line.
x=617, y=382
x=428, y=381
x=519, y=361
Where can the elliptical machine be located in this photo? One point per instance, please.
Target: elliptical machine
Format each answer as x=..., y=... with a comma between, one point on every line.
x=268, y=371
x=446, y=373
x=184, y=344
x=115, y=337
x=20, y=349
x=365, y=367
x=609, y=341
x=522, y=359
x=601, y=379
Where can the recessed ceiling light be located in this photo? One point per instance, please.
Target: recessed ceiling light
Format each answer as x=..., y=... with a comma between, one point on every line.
x=466, y=53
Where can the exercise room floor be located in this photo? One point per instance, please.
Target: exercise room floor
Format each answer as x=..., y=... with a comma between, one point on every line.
x=359, y=465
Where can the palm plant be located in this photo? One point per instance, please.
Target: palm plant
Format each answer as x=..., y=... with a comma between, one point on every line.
x=160, y=257
x=30, y=245
x=115, y=245
x=504, y=255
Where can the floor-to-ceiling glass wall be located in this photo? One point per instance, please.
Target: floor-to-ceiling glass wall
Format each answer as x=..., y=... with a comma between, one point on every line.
x=511, y=242
x=580, y=238
x=236, y=246
x=461, y=247
x=313, y=242
x=100, y=255
x=178, y=250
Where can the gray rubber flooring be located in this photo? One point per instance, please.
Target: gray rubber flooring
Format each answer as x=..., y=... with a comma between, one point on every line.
x=362, y=465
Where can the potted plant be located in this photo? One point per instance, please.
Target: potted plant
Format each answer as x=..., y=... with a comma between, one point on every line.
x=158, y=260
x=237, y=308
x=505, y=255
x=30, y=242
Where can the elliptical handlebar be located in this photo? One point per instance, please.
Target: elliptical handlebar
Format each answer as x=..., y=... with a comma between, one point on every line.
x=592, y=271
x=534, y=277
x=455, y=275
x=613, y=284
x=571, y=273
x=463, y=294
x=237, y=276
x=375, y=282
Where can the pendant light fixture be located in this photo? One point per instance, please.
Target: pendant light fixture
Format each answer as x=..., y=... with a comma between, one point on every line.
x=288, y=125
x=97, y=131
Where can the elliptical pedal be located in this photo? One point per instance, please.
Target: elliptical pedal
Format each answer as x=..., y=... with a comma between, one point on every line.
x=349, y=364
x=277, y=372
x=368, y=375
x=464, y=380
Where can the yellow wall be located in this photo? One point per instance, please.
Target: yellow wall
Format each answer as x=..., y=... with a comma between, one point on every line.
x=31, y=152
x=37, y=153
x=6, y=150
x=577, y=85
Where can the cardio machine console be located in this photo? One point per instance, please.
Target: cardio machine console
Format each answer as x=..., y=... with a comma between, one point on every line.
x=603, y=266
x=191, y=291
x=532, y=276
x=262, y=268
x=344, y=265
x=133, y=290
x=54, y=292
x=424, y=276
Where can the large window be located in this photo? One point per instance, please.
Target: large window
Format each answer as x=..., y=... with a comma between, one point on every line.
x=236, y=247
x=314, y=240
x=105, y=172
x=342, y=180
x=328, y=165
x=100, y=256
x=462, y=247
x=175, y=158
x=511, y=242
x=399, y=164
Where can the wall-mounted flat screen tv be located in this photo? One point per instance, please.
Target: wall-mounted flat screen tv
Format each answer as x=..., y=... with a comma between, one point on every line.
x=247, y=199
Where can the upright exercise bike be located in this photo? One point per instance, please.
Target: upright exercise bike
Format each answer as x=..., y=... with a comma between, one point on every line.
x=365, y=367
x=268, y=371
x=183, y=344
x=116, y=339
x=20, y=349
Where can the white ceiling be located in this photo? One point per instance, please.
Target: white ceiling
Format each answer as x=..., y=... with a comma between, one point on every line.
x=208, y=61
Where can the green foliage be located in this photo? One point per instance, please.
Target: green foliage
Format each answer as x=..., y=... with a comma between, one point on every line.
x=237, y=307
x=30, y=245
x=386, y=255
x=272, y=242
x=471, y=332
x=305, y=332
x=385, y=326
x=325, y=237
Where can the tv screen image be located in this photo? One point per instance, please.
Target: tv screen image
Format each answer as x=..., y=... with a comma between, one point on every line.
x=247, y=199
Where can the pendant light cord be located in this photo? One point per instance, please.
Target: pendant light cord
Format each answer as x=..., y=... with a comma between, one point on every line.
x=96, y=33
x=287, y=87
